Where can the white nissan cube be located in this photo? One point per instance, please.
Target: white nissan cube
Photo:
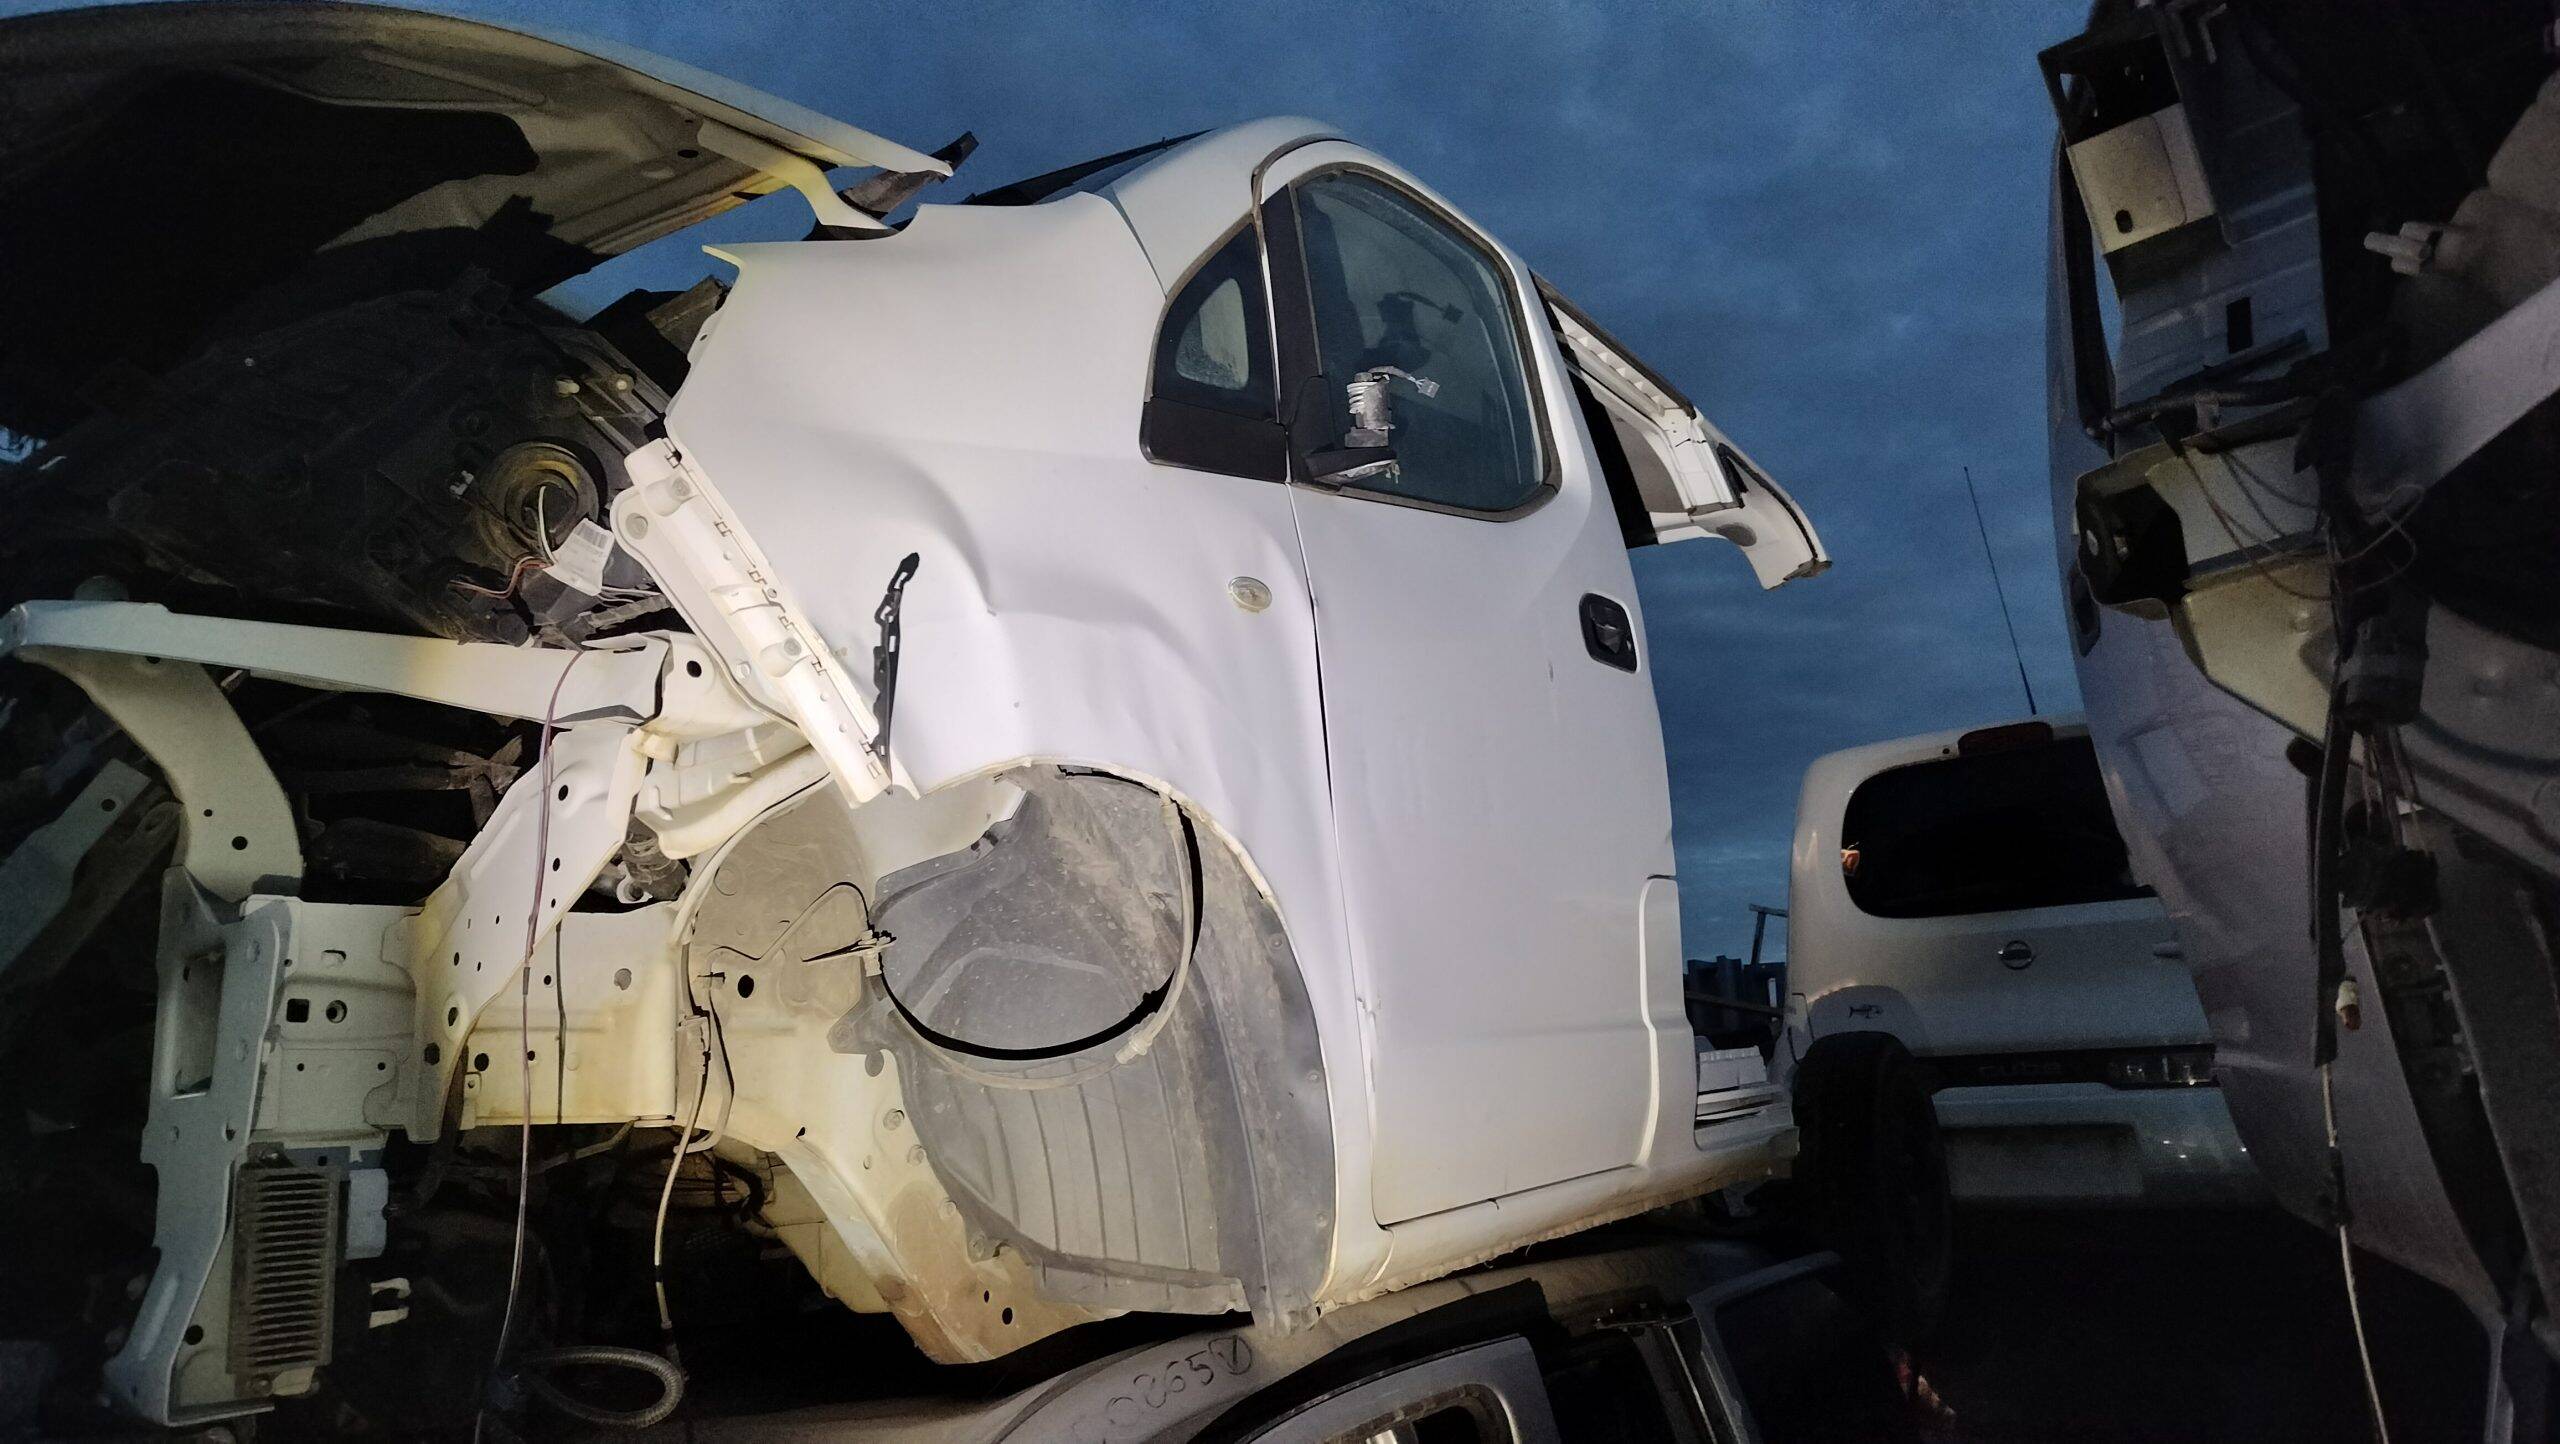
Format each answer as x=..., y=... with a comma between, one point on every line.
x=1967, y=894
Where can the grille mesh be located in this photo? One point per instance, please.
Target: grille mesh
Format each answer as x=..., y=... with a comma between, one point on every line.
x=285, y=1251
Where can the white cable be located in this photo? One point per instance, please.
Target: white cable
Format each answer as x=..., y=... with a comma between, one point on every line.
x=524, y=1033
x=686, y=907
x=2347, y=1263
x=666, y=1196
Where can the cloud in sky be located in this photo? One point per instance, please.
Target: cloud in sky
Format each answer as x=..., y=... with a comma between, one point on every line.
x=1824, y=221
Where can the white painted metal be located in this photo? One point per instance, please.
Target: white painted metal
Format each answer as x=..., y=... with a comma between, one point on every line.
x=338, y=1048
x=1692, y=480
x=232, y=1066
x=726, y=590
x=1182, y=201
x=521, y=864
x=1462, y=822
x=483, y=676
x=36, y=879
x=2102, y=975
x=617, y=133
x=216, y=991
x=1071, y=605
x=236, y=830
x=1660, y=424
x=795, y=171
x=1500, y=803
x=1071, y=602
x=2141, y=179
x=613, y=978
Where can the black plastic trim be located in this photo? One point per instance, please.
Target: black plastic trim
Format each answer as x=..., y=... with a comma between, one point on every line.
x=1201, y=438
x=1608, y=633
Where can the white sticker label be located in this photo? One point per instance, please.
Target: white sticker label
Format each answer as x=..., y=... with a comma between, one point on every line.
x=578, y=561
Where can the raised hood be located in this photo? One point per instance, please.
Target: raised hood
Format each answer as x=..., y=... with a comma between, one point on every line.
x=165, y=169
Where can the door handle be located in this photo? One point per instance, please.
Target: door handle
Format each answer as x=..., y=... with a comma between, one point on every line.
x=2015, y=954
x=1608, y=634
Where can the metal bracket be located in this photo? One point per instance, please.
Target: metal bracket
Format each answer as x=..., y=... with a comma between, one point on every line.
x=2410, y=437
x=483, y=676
x=669, y=681
x=469, y=941
x=796, y=171
x=217, y=993
x=36, y=881
x=239, y=836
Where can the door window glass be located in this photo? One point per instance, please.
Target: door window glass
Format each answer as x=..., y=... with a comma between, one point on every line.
x=1995, y=832
x=1393, y=285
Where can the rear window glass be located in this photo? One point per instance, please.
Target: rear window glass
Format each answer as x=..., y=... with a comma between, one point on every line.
x=1998, y=832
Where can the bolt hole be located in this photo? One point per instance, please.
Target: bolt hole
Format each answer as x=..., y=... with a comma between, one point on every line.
x=2124, y=223
x=239, y=844
x=746, y=985
x=563, y=793
x=457, y=960
x=546, y=980
x=336, y=1012
x=688, y=153
x=693, y=669
x=479, y=1062
x=452, y=1016
x=195, y=1333
x=230, y=1134
x=298, y=1067
x=432, y=1054
x=381, y=1067
x=986, y=1296
x=555, y=864
x=1008, y=1316
x=106, y=804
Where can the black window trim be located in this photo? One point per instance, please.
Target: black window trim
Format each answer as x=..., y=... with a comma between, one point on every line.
x=1200, y=438
x=1292, y=386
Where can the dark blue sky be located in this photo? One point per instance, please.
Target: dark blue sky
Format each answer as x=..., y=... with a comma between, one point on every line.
x=1825, y=222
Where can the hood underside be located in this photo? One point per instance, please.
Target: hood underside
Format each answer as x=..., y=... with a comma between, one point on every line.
x=170, y=173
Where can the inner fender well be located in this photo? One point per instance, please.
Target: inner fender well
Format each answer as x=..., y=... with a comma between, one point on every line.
x=1194, y=1177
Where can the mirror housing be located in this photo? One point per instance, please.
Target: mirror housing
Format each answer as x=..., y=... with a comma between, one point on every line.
x=1342, y=465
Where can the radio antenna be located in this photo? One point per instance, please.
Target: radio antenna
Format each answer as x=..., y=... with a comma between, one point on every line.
x=1999, y=591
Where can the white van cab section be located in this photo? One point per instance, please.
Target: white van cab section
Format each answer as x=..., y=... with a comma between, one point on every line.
x=1098, y=745
x=1966, y=893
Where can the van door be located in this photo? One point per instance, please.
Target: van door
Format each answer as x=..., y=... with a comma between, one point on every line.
x=1675, y=477
x=1497, y=771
